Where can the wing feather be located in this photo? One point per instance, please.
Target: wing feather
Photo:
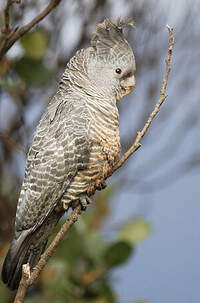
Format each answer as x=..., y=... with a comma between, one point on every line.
x=59, y=149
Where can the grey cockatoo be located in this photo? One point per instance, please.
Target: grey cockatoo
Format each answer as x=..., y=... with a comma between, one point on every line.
x=75, y=145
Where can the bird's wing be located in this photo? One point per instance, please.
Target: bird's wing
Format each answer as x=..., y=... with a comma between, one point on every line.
x=59, y=149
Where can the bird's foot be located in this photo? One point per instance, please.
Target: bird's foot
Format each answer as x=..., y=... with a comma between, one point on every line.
x=83, y=201
x=63, y=206
x=101, y=185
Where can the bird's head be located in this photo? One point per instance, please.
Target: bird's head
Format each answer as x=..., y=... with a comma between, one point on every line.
x=107, y=67
x=111, y=67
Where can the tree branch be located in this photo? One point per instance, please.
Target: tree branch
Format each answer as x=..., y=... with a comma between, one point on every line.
x=12, y=35
x=27, y=279
x=6, y=28
x=26, y=282
x=23, y=285
x=140, y=134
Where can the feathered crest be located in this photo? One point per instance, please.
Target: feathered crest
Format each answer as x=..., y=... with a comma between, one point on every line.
x=108, y=36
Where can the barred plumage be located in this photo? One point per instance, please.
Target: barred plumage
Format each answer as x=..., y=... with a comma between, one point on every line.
x=76, y=143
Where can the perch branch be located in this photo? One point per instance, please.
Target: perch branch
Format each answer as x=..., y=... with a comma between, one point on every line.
x=12, y=35
x=23, y=284
x=140, y=134
x=26, y=282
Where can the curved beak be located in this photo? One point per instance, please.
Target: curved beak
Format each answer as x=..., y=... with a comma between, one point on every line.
x=127, y=85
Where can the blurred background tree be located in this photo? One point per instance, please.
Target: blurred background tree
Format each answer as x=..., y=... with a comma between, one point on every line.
x=83, y=268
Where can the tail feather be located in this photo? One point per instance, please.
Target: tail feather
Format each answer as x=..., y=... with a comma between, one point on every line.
x=16, y=257
x=27, y=248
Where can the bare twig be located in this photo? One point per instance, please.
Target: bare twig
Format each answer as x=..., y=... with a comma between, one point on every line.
x=140, y=134
x=6, y=28
x=14, y=34
x=25, y=283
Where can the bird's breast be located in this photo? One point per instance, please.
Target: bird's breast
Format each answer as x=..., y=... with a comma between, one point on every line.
x=104, y=131
x=104, y=152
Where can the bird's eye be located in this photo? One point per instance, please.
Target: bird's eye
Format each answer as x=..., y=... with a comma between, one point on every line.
x=118, y=71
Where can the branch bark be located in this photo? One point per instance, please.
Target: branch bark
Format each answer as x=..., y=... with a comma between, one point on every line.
x=28, y=279
x=10, y=36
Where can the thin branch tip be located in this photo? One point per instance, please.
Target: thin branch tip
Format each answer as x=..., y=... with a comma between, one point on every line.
x=169, y=27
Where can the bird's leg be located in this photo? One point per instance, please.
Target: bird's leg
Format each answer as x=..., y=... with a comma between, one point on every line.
x=89, y=200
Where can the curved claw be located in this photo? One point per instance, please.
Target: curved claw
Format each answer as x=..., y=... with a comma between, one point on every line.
x=101, y=185
x=84, y=201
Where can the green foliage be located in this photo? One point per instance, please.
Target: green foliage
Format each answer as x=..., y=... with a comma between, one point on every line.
x=31, y=68
x=3, y=293
x=117, y=253
x=35, y=44
x=95, y=246
x=135, y=231
x=32, y=72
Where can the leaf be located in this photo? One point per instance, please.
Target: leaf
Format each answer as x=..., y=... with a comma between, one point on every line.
x=108, y=293
x=117, y=254
x=100, y=209
x=35, y=44
x=135, y=231
x=32, y=71
x=94, y=246
x=3, y=293
x=71, y=249
x=55, y=273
